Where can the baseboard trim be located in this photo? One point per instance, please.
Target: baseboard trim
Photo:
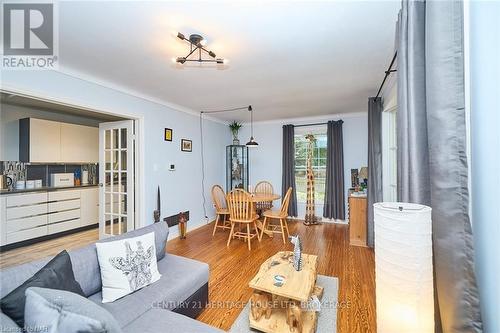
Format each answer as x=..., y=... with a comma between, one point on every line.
x=322, y=220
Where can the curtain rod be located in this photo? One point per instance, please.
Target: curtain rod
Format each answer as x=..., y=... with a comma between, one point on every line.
x=387, y=73
x=304, y=125
x=314, y=124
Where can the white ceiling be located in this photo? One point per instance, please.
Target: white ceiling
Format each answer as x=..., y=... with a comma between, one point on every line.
x=287, y=59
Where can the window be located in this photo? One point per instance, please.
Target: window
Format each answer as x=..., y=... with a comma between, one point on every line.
x=389, y=155
x=318, y=163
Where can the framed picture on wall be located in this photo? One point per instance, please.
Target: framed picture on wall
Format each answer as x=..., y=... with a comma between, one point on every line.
x=186, y=145
x=168, y=134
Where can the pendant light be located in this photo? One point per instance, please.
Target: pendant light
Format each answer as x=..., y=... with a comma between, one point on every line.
x=252, y=143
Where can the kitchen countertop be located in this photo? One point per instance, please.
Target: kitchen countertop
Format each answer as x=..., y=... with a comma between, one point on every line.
x=46, y=189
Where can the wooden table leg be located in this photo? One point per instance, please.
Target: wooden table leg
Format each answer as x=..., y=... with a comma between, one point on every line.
x=260, y=226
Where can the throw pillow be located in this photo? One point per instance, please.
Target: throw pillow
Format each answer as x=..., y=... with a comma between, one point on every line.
x=127, y=265
x=62, y=311
x=56, y=274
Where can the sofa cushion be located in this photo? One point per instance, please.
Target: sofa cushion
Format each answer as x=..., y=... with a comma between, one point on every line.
x=161, y=235
x=63, y=311
x=158, y=320
x=181, y=277
x=84, y=261
x=7, y=324
x=57, y=274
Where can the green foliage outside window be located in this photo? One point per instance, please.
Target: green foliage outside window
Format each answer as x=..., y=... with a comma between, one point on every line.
x=319, y=166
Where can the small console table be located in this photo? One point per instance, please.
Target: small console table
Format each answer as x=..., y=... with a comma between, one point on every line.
x=357, y=219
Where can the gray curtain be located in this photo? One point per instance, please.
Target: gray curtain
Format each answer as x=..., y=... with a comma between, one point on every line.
x=334, y=204
x=374, y=163
x=288, y=168
x=432, y=161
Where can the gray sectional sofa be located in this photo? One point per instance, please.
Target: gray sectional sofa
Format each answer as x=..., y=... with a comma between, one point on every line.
x=167, y=305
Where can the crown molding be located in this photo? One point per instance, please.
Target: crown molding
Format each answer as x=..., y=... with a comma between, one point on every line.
x=133, y=93
x=311, y=119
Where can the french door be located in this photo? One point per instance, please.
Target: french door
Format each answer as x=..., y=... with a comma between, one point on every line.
x=116, y=172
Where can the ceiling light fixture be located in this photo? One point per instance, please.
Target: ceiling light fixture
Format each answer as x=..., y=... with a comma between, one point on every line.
x=197, y=43
x=252, y=143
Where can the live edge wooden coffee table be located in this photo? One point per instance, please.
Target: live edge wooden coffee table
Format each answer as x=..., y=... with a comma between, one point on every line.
x=285, y=307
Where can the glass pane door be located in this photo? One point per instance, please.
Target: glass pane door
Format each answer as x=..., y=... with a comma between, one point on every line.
x=116, y=166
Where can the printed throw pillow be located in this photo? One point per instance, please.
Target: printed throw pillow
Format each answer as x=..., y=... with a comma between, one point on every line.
x=127, y=265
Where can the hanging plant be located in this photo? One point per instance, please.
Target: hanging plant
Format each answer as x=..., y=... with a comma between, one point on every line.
x=235, y=127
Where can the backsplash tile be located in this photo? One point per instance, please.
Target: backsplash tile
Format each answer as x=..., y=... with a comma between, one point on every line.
x=26, y=171
x=34, y=172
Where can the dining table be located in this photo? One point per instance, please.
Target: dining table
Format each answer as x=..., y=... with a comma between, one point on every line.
x=264, y=197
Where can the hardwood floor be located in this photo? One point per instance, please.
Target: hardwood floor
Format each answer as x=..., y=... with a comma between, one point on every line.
x=47, y=248
x=232, y=268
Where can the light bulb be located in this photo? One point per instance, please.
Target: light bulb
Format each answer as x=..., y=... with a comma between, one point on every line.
x=225, y=61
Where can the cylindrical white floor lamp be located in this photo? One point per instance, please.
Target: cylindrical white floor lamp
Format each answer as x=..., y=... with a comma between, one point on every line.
x=403, y=268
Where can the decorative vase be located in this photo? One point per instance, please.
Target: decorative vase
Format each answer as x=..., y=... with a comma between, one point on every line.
x=236, y=141
x=182, y=225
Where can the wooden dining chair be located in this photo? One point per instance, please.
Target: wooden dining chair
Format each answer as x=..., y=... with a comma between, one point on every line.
x=280, y=215
x=266, y=188
x=221, y=210
x=242, y=211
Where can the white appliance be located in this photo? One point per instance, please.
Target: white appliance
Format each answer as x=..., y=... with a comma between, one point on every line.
x=62, y=179
x=85, y=177
x=403, y=268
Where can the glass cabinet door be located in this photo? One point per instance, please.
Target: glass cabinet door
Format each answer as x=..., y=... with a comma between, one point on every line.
x=236, y=167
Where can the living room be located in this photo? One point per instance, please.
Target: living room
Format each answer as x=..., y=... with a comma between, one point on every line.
x=268, y=154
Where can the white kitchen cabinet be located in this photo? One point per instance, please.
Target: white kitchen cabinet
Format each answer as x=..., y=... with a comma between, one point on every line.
x=23, y=216
x=44, y=141
x=89, y=209
x=26, y=216
x=39, y=140
x=79, y=144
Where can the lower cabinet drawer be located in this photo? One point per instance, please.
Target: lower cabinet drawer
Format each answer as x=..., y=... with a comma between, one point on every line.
x=27, y=211
x=63, y=226
x=25, y=223
x=18, y=236
x=58, y=206
x=63, y=216
x=64, y=195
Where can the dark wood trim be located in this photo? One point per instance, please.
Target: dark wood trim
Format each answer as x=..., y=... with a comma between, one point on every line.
x=46, y=237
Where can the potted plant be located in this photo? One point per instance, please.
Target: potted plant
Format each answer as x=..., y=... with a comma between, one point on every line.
x=235, y=127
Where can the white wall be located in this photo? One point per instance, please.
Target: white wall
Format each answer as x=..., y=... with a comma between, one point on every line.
x=181, y=189
x=266, y=160
x=485, y=138
x=9, y=126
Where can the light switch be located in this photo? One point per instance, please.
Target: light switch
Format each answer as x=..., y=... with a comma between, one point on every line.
x=171, y=167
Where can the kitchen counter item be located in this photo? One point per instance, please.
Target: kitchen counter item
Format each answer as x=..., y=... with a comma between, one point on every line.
x=38, y=183
x=62, y=179
x=44, y=189
x=85, y=177
x=30, y=184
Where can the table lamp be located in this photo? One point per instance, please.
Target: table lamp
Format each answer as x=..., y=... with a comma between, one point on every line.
x=363, y=174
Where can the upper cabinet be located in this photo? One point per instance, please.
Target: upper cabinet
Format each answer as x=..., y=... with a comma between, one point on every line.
x=79, y=143
x=44, y=141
